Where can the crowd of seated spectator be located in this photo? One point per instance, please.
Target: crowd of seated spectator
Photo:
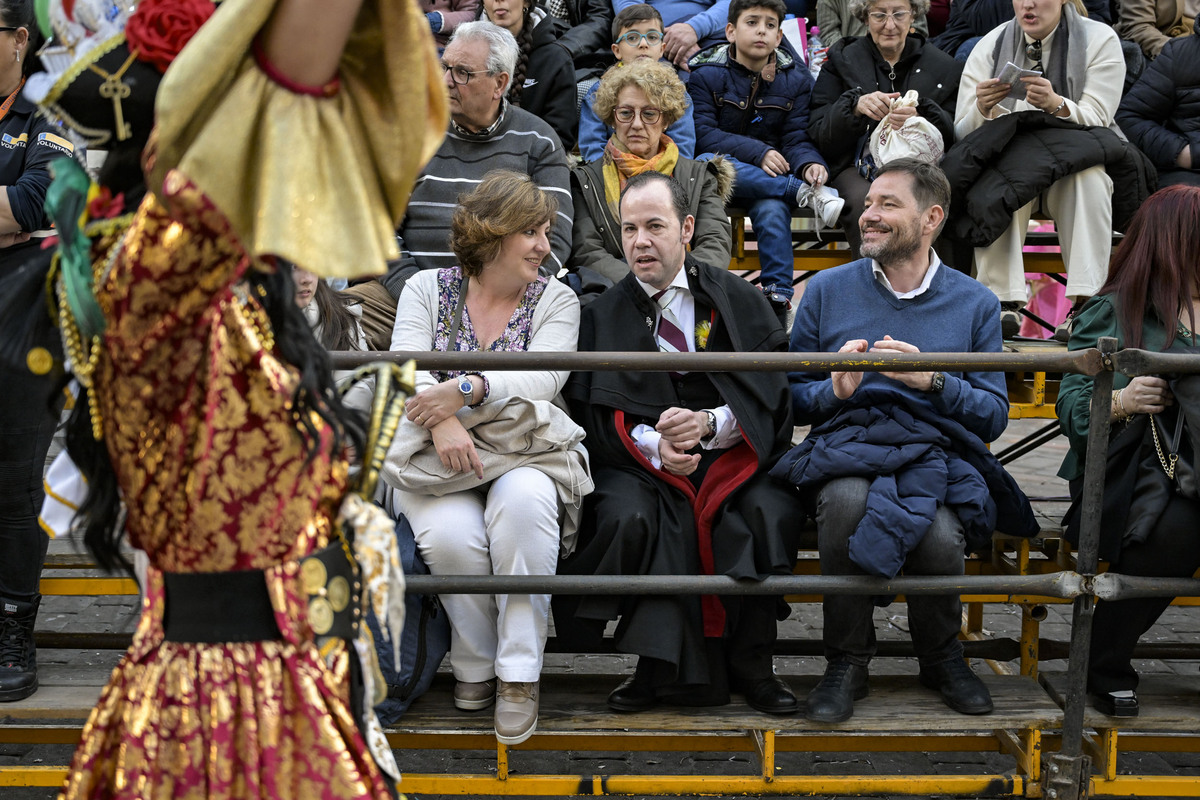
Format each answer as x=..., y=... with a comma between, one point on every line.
x=794, y=144
x=706, y=105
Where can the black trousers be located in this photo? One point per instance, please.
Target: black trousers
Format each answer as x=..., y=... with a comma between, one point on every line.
x=27, y=423
x=849, y=628
x=1171, y=551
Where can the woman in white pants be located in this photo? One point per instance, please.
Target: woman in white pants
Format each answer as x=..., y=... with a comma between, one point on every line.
x=487, y=467
x=1080, y=74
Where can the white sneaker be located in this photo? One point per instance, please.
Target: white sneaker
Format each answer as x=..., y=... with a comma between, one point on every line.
x=824, y=201
x=516, y=711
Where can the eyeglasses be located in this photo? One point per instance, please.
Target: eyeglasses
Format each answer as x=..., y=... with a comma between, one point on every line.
x=626, y=114
x=634, y=38
x=881, y=17
x=460, y=74
x=10, y=28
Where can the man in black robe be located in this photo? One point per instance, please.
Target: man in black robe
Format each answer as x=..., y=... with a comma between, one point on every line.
x=680, y=464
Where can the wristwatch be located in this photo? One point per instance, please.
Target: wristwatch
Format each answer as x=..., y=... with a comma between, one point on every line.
x=467, y=388
x=938, y=383
x=712, y=425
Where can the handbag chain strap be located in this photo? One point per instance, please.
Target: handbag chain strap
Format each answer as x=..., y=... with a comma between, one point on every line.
x=1168, y=462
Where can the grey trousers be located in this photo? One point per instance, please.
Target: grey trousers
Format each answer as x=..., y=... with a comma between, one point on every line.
x=934, y=620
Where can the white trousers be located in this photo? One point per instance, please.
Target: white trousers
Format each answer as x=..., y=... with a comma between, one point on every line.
x=1081, y=206
x=509, y=527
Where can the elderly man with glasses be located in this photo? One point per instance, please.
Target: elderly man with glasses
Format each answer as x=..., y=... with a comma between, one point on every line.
x=485, y=133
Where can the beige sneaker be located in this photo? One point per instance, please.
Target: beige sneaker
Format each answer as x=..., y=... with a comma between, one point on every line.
x=474, y=696
x=516, y=711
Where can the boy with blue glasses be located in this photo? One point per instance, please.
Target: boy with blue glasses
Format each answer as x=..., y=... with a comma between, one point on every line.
x=637, y=33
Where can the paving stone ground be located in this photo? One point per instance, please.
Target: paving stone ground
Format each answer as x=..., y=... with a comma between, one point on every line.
x=1036, y=474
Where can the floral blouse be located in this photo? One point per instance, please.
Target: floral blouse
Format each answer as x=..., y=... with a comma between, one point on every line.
x=515, y=337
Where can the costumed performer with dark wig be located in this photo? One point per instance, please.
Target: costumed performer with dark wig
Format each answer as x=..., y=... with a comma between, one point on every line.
x=210, y=415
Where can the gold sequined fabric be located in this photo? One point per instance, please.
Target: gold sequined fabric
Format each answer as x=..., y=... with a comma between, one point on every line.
x=199, y=426
x=240, y=136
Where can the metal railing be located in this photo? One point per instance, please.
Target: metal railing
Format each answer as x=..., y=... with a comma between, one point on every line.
x=1068, y=771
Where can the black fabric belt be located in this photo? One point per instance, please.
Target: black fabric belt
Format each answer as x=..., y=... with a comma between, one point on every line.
x=212, y=607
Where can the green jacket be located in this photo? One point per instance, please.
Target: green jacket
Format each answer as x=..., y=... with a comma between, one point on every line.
x=1096, y=320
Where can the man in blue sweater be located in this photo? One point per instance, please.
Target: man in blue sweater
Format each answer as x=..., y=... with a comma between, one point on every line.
x=899, y=298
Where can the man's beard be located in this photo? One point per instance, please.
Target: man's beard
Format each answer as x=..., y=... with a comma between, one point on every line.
x=903, y=243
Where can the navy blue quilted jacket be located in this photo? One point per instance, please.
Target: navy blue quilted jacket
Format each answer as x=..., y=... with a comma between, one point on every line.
x=737, y=113
x=916, y=461
x=1161, y=112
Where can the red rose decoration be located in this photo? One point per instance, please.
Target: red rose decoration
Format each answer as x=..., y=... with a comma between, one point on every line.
x=158, y=29
x=105, y=205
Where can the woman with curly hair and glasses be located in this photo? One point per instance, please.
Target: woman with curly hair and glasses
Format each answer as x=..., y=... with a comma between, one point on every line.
x=639, y=101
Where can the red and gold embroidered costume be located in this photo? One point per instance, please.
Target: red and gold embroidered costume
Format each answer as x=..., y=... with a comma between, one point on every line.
x=197, y=407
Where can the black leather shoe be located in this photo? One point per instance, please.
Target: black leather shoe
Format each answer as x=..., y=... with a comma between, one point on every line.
x=960, y=687
x=770, y=696
x=18, y=656
x=832, y=700
x=635, y=694
x=1105, y=703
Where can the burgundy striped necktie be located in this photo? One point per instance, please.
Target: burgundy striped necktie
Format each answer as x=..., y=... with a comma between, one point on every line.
x=670, y=335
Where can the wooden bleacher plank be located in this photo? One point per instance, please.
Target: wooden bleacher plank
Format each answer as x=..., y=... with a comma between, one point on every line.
x=1169, y=704
x=576, y=703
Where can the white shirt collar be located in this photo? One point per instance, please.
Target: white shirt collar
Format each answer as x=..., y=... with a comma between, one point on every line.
x=1046, y=45
x=682, y=305
x=679, y=281
x=934, y=263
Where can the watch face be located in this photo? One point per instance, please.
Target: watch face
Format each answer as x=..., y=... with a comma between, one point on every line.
x=464, y=386
x=939, y=382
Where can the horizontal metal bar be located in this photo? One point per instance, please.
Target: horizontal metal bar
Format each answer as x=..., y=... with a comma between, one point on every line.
x=1134, y=362
x=1060, y=584
x=1084, y=362
x=684, y=785
x=1114, y=586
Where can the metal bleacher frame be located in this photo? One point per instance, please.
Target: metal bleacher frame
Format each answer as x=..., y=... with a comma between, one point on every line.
x=1041, y=721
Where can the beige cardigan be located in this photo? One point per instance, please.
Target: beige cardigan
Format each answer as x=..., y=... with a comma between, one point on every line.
x=523, y=423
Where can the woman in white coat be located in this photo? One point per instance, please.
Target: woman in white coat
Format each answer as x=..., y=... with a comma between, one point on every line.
x=1082, y=72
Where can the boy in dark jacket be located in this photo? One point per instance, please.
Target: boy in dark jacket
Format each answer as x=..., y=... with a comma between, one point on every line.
x=751, y=105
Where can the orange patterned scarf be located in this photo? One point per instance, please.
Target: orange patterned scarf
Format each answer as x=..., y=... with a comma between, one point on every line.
x=620, y=166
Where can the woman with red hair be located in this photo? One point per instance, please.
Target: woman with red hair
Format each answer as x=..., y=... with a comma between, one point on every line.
x=1149, y=519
